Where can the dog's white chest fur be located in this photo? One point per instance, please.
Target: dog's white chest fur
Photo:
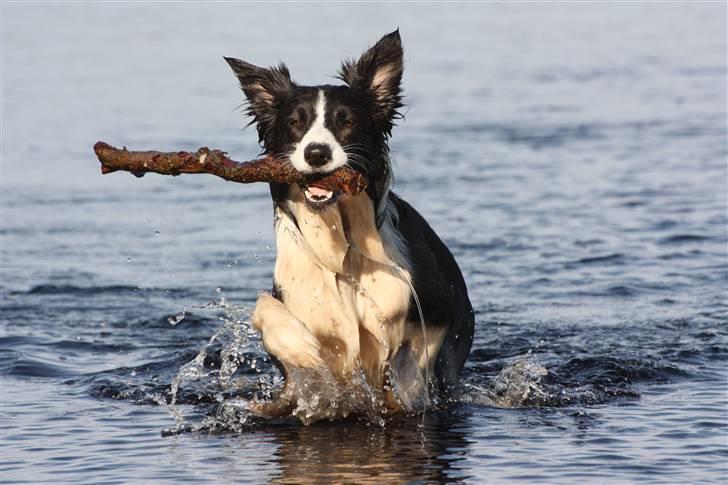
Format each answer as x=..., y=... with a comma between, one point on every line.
x=338, y=278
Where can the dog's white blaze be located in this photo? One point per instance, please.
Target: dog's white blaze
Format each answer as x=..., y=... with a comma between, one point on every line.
x=318, y=133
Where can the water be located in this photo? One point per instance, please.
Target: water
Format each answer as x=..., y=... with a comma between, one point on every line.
x=572, y=156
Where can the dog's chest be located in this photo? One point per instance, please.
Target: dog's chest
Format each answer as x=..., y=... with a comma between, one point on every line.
x=334, y=276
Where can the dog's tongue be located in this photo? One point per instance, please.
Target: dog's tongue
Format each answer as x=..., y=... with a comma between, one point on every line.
x=318, y=191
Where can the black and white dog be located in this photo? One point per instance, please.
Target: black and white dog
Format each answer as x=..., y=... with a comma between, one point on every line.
x=362, y=284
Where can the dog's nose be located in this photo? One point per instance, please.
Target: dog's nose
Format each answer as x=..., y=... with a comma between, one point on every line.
x=317, y=154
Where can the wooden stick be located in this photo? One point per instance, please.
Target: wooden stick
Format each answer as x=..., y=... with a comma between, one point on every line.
x=216, y=162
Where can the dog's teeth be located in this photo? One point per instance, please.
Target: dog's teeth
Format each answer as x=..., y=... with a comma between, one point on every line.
x=318, y=197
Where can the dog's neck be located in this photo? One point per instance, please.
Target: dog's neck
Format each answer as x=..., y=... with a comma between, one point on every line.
x=349, y=225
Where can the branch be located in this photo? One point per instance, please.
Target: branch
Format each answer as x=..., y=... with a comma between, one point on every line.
x=216, y=162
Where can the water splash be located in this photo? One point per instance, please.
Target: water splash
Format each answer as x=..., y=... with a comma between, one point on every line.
x=320, y=396
x=234, y=336
x=519, y=384
x=524, y=383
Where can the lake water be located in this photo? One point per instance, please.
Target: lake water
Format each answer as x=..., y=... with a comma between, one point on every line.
x=572, y=156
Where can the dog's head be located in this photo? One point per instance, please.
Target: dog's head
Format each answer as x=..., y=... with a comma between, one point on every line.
x=321, y=128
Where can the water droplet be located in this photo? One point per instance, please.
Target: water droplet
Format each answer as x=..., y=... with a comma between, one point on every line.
x=128, y=260
x=218, y=289
x=156, y=233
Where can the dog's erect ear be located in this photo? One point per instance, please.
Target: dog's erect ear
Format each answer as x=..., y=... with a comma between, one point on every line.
x=378, y=72
x=263, y=88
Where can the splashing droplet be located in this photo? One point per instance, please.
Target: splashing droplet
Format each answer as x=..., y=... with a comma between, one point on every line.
x=214, y=380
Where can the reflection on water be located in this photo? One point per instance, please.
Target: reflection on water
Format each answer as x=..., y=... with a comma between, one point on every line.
x=404, y=451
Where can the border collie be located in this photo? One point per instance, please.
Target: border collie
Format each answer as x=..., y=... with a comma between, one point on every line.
x=362, y=284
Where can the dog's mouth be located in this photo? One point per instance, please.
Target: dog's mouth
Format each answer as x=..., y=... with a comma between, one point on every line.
x=318, y=197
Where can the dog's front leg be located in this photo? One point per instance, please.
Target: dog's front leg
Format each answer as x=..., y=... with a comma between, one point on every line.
x=284, y=336
x=287, y=339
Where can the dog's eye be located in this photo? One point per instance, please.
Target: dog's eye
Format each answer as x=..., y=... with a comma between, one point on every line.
x=348, y=124
x=295, y=123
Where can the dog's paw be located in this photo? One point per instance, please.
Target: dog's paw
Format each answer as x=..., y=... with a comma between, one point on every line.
x=284, y=336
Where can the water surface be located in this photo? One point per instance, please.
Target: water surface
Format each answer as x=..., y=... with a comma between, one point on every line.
x=572, y=156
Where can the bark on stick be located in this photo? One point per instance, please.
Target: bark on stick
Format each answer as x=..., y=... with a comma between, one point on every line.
x=216, y=162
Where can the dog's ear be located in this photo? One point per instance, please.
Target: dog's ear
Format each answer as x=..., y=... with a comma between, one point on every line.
x=378, y=72
x=263, y=88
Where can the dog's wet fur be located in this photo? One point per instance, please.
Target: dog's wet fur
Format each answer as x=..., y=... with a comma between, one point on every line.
x=352, y=271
